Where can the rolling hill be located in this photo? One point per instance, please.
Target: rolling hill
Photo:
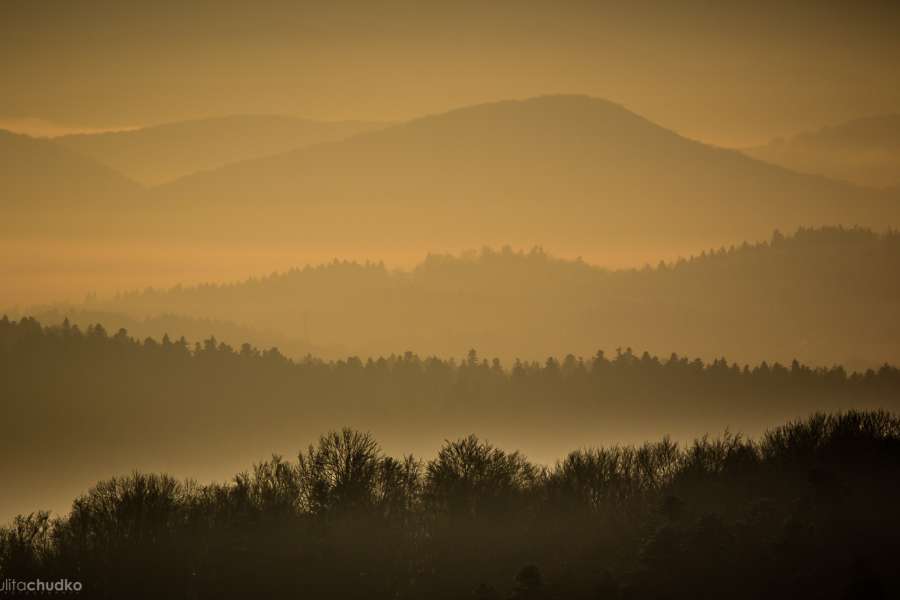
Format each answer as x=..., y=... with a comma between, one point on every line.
x=40, y=176
x=824, y=296
x=573, y=172
x=863, y=151
x=161, y=153
x=583, y=176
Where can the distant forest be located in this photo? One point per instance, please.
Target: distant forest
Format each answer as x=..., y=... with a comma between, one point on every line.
x=102, y=401
x=193, y=329
x=100, y=377
x=824, y=296
x=807, y=511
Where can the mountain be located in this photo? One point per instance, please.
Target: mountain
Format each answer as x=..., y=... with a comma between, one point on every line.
x=39, y=175
x=574, y=172
x=161, y=153
x=580, y=175
x=863, y=151
x=824, y=296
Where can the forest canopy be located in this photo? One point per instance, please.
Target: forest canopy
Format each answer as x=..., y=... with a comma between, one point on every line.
x=823, y=296
x=807, y=510
x=94, y=402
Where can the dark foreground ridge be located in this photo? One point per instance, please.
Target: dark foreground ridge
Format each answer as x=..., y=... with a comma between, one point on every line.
x=808, y=510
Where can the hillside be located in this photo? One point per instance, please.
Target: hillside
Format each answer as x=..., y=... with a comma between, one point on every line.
x=581, y=175
x=161, y=153
x=863, y=151
x=573, y=172
x=38, y=176
x=821, y=295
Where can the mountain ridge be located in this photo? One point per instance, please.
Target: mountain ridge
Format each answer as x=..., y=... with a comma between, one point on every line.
x=159, y=153
x=541, y=170
x=581, y=174
x=39, y=171
x=502, y=302
x=864, y=151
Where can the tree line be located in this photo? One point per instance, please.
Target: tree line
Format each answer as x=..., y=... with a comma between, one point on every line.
x=99, y=374
x=823, y=296
x=347, y=520
x=807, y=510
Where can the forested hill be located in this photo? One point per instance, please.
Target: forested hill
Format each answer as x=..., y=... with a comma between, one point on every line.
x=101, y=403
x=829, y=295
x=193, y=329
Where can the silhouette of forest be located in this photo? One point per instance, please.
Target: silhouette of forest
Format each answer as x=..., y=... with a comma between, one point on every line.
x=106, y=402
x=450, y=300
x=193, y=329
x=806, y=511
x=822, y=295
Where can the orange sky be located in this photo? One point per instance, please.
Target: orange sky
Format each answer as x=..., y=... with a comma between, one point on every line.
x=726, y=72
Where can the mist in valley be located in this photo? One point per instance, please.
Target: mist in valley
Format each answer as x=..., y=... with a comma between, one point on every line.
x=430, y=301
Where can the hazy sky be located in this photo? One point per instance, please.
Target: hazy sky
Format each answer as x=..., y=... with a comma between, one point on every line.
x=729, y=73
